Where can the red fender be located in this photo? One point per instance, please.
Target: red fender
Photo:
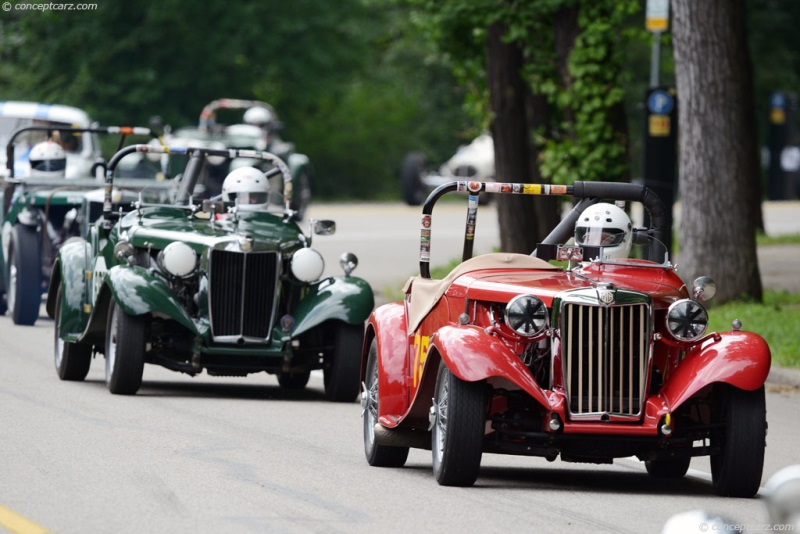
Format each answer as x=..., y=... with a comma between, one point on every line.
x=741, y=359
x=471, y=354
x=388, y=325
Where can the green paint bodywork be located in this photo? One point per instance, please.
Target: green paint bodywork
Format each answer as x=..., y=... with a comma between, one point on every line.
x=139, y=292
x=142, y=289
x=347, y=299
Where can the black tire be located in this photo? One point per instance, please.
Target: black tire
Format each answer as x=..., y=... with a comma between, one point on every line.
x=668, y=468
x=342, y=374
x=457, y=434
x=411, y=178
x=126, y=337
x=301, y=194
x=741, y=438
x=24, y=288
x=294, y=380
x=377, y=455
x=3, y=307
x=72, y=360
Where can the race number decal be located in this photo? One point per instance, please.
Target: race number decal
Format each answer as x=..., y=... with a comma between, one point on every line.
x=420, y=355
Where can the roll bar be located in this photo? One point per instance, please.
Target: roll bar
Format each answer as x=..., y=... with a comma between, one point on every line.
x=197, y=157
x=589, y=192
x=208, y=114
x=123, y=131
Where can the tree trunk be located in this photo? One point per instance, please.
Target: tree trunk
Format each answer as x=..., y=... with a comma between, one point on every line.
x=524, y=220
x=717, y=146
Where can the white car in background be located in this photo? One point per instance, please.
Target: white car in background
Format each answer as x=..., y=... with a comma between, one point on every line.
x=82, y=150
x=474, y=161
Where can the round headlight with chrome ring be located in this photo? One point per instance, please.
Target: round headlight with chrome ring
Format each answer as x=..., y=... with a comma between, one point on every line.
x=687, y=320
x=178, y=259
x=307, y=265
x=526, y=315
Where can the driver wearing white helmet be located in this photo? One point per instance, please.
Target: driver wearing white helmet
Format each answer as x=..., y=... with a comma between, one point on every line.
x=248, y=188
x=48, y=160
x=258, y=116
x=607, y=226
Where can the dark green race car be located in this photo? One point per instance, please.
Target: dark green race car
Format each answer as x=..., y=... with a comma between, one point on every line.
x=206, y=286
x=39, y=214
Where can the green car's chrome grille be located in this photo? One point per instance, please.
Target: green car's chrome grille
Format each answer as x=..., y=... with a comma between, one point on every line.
x=242, y=292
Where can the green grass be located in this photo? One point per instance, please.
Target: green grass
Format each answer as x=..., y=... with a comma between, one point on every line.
x=777, y=320
x=789, y=239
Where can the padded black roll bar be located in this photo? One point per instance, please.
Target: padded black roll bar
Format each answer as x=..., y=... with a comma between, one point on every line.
x=589, y=192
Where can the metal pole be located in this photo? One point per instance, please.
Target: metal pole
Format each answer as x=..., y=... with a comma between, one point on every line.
x=655, y=59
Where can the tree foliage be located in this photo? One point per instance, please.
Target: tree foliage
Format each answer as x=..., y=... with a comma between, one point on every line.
x=350, y=84
x=580, y=74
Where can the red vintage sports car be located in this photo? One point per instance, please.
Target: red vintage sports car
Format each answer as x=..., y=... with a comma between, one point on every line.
x=567, y=352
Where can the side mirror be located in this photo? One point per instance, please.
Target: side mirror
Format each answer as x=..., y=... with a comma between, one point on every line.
x=324, y=227
x=704, y=288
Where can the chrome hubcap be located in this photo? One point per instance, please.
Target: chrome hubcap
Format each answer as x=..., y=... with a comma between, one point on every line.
x=369, y=405
x=438, y=418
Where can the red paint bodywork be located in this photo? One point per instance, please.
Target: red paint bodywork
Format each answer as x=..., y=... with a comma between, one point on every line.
x=472, y=353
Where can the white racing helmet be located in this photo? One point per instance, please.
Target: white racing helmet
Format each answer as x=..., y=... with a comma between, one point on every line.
x=258, y=116
x=607, y=226
x=248, y=187
x=48, y=160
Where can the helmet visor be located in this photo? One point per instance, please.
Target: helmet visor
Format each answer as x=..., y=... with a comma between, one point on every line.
x=49, y=165
x=245, y=197
x=599, y=237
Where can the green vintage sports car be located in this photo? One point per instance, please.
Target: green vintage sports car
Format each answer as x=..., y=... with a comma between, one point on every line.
x=39, y=214
x=206, y=286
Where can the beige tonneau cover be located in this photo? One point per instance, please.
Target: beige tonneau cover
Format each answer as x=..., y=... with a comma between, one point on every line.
x=424, y=293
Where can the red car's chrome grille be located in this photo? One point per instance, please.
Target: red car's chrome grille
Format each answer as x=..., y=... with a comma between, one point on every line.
x=242, y=291
x=605, y=357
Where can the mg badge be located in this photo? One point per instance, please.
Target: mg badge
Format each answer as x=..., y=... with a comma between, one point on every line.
x=606, y=296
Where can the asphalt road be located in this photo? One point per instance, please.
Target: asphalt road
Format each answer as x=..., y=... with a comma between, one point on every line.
x=210, y=454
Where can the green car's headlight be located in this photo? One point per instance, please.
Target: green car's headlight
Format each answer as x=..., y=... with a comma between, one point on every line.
x=687, y=320
x=526, y=315
x=307, y=265
x=178, y=259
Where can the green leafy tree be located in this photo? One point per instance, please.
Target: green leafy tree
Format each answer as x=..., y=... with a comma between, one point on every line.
x=352, y=87
x=569, y=108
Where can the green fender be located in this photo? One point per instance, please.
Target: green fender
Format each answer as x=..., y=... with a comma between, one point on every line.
x=348, y=299
x=138, y=292
x=69, y=273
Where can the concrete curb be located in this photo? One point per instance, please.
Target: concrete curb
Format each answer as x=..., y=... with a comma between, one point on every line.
x=784, y=376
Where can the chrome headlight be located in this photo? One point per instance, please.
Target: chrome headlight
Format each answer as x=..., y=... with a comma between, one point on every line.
x=178, y=259
x=526, y=315
x=307, y=265
x=687, y=320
